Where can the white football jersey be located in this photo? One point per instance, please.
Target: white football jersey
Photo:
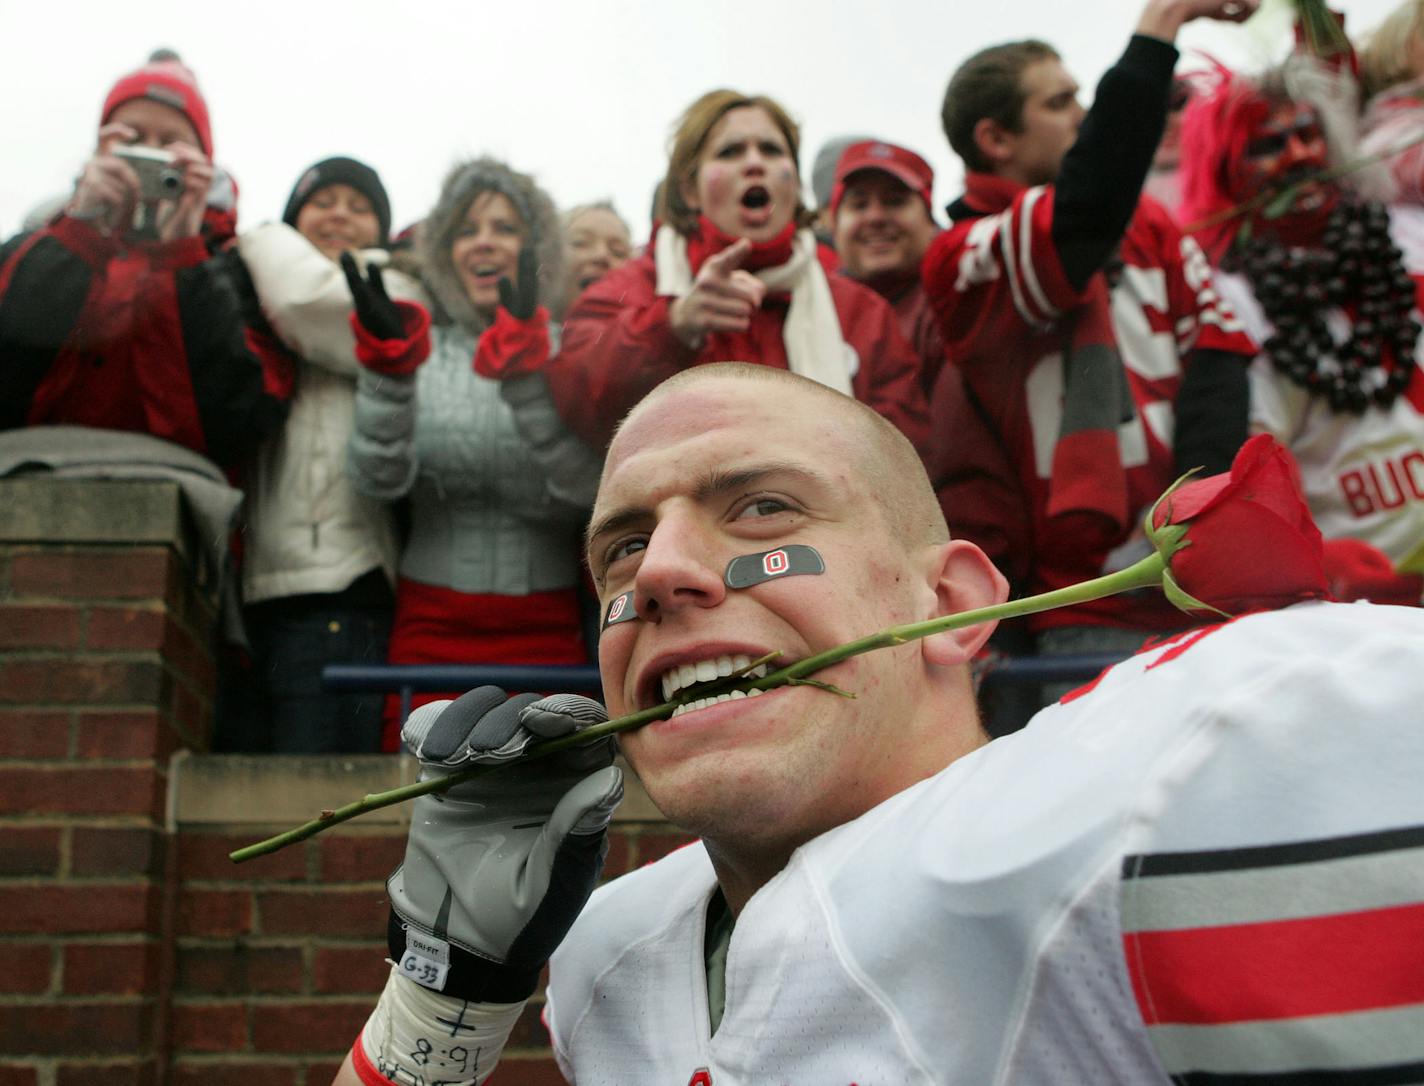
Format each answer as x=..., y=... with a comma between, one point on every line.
x=1209, y=865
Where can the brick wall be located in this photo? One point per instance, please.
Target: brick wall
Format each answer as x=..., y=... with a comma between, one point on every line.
x=132, y=951
x=104, y=672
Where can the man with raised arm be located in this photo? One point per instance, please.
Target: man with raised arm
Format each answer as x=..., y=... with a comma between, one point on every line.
x=1176, y=873
x=1080, y=318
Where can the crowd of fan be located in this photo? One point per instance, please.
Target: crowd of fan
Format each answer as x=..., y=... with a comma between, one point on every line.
x=416, y=420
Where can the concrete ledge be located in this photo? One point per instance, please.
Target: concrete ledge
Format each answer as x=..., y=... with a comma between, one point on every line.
x=35, y=509
x=281, y=791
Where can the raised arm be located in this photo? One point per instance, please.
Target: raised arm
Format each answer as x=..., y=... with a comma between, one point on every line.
x=392, y=340
x=515, y=351
x=305, y=296
x=495, y=872
x=1102, y=175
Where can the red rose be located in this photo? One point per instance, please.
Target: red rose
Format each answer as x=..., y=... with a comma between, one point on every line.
x=1240, y=542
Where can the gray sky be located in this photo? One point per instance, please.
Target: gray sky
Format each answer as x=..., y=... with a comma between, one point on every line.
x=580, y=94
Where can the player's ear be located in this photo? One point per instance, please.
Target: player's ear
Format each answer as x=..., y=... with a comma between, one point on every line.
x=962, y=578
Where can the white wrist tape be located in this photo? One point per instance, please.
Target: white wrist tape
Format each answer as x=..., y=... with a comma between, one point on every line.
x=416, y=1035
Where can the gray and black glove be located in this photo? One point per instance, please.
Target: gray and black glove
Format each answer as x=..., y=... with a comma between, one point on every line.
x=497, y=868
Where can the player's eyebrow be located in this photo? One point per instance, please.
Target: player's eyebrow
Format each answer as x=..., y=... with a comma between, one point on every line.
x=713, y=485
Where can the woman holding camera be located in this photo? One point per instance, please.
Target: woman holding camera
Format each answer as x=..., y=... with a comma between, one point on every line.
x=732, y=275
x=491, y=569
x=116, y=314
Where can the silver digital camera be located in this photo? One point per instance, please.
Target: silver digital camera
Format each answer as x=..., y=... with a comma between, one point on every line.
x=158, y=178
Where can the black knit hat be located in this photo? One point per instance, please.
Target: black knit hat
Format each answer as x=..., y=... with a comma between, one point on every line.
x=341, y=171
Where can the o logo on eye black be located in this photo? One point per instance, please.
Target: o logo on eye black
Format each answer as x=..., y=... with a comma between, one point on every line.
x=775, y=562
x=617, y=609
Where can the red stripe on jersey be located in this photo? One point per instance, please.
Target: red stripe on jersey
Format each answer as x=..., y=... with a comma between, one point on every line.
x=1182, y=642
x=1279, y=969
x=1087, y=688
x=365, y=1069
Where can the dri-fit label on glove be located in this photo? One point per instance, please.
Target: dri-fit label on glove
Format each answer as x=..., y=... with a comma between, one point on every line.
x=426, y=960
x=785, y=561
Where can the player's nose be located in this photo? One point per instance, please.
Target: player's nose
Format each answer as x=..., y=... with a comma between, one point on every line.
x=681, y=568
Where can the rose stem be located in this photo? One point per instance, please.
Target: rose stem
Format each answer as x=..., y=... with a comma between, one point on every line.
x=1141, y=574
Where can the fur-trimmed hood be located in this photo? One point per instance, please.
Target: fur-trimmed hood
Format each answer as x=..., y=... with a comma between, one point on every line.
x=462, y=184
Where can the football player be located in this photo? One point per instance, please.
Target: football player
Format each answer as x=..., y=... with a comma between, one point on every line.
x=1205, y=868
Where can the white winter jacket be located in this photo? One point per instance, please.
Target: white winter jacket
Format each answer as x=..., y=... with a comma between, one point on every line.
x=307, y=528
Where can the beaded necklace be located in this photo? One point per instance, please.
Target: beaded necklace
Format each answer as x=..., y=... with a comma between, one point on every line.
x=1355, y=265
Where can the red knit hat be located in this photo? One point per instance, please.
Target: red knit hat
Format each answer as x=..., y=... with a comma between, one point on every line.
x=166, y=79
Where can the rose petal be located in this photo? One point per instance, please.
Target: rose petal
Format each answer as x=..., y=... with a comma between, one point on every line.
x=1243, y=556
x=1267, y=476
x=1189, y=500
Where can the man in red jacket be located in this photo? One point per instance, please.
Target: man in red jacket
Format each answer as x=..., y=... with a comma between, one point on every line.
x=882, y=225
x=1079, y=316
x=116, y=314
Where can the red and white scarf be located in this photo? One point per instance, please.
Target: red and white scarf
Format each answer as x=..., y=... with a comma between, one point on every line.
x=787, y=264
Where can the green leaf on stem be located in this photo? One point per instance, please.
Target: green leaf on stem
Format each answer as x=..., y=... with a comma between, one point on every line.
x=1183, y=601
x=1283, y=202
x=819, y=685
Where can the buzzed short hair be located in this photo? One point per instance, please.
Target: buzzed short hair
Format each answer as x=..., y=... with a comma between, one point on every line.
x=988, y=84
x=888, y=461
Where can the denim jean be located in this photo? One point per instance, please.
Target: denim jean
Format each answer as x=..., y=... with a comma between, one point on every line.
x=293, y=639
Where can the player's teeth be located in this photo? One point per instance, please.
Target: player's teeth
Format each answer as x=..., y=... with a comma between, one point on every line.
x=724, y=666
x=669, y=687
x=758, y=672
x=755, y=693
x=735, y=694
x=686, y=675
x=679, y=710
x=706, y=671
x=739, y=662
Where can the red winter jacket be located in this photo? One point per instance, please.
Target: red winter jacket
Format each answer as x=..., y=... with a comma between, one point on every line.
x=618, y=344
x=142, y=336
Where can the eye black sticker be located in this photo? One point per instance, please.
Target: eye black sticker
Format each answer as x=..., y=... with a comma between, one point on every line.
x=785, y=561
x=620, y=610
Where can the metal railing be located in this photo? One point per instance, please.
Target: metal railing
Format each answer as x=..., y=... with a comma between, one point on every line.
x=410, y=679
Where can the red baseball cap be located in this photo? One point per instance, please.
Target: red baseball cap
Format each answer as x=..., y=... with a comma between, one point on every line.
x=899, y=162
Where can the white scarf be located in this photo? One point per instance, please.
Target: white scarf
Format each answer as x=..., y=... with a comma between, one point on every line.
x=812, y=333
